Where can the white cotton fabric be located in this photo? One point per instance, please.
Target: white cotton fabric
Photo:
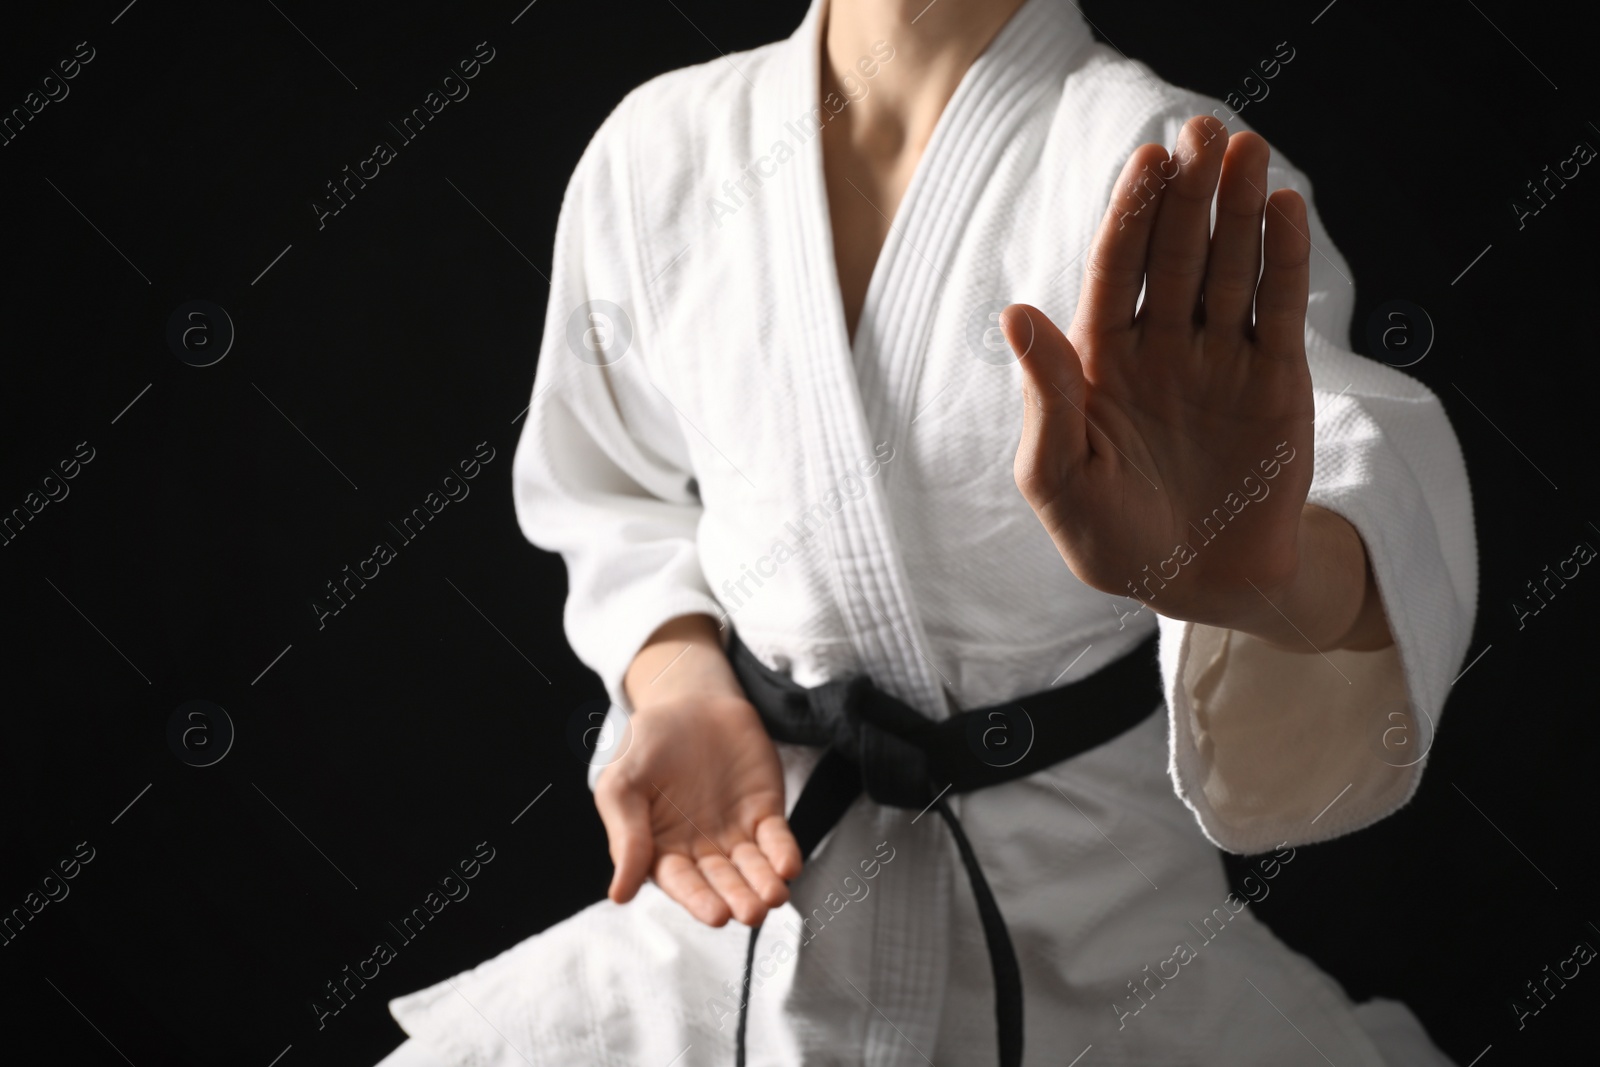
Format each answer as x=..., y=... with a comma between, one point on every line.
x=733, y=430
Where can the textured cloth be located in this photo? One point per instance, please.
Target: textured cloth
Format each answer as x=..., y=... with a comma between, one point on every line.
x=411, y=1053
x=704, y=437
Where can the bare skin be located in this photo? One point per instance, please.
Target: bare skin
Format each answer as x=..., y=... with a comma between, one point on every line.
x=1137, y=425
x=697, y=801
x=871, y=148
x=1133, y=426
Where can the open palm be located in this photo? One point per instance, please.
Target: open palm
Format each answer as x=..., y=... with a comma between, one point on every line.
x=1167, y=447
x=697, y=804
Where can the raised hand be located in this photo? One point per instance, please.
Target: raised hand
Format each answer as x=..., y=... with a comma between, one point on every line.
x=696, y=800
x=1168, y=450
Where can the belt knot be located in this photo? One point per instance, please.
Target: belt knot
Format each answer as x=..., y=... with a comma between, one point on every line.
x=887, y=739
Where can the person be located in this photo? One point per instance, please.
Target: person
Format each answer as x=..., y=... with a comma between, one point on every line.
x=902, y=349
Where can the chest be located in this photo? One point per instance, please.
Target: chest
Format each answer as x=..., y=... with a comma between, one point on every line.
x=864, y=190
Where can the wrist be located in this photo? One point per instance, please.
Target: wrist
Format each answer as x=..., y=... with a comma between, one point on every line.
x=1328, y=599
x=682, y=657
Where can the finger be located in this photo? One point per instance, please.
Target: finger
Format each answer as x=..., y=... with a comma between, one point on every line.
x=1235, y=263
x=777, y=843
x=1285, y=278
x=625, y=814
x=1114, y=272
x=1180, y=241
x=1054, y=394
x=682, y=880
x=726, y=880
x=758, y=874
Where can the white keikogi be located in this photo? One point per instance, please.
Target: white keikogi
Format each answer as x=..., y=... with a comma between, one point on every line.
x=703, y=437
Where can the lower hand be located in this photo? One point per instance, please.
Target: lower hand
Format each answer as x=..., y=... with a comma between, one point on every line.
x=697, y=800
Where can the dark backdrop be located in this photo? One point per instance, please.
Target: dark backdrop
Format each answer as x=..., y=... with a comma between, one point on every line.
x=371, y=355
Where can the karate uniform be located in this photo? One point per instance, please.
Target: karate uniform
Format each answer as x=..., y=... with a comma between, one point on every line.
x=704, y=437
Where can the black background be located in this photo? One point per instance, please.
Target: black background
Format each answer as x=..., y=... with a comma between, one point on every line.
x=428, y=714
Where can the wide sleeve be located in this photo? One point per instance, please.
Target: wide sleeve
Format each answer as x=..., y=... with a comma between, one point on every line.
x=602, y=473
x=1270, y=746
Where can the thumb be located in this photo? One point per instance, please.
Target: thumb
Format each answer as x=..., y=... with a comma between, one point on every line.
x=1054, y=428
x=626, y=816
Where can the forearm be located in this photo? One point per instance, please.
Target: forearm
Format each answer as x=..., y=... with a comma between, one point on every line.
x=1331, y=601
x=684, y=655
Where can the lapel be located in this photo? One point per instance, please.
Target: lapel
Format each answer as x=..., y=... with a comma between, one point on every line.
x=855, y=396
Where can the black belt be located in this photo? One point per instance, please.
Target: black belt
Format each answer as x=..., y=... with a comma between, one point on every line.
x=901, y=758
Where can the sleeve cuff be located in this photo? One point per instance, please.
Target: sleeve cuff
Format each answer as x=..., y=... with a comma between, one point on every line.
x=1265, y=748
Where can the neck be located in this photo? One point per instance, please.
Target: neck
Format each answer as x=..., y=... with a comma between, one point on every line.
x=895, y=110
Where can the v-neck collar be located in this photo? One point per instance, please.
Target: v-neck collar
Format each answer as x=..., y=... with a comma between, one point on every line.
x=847, y=387
x=1040, y=35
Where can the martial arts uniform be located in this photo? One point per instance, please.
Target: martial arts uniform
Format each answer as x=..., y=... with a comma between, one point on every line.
x=705, y=438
